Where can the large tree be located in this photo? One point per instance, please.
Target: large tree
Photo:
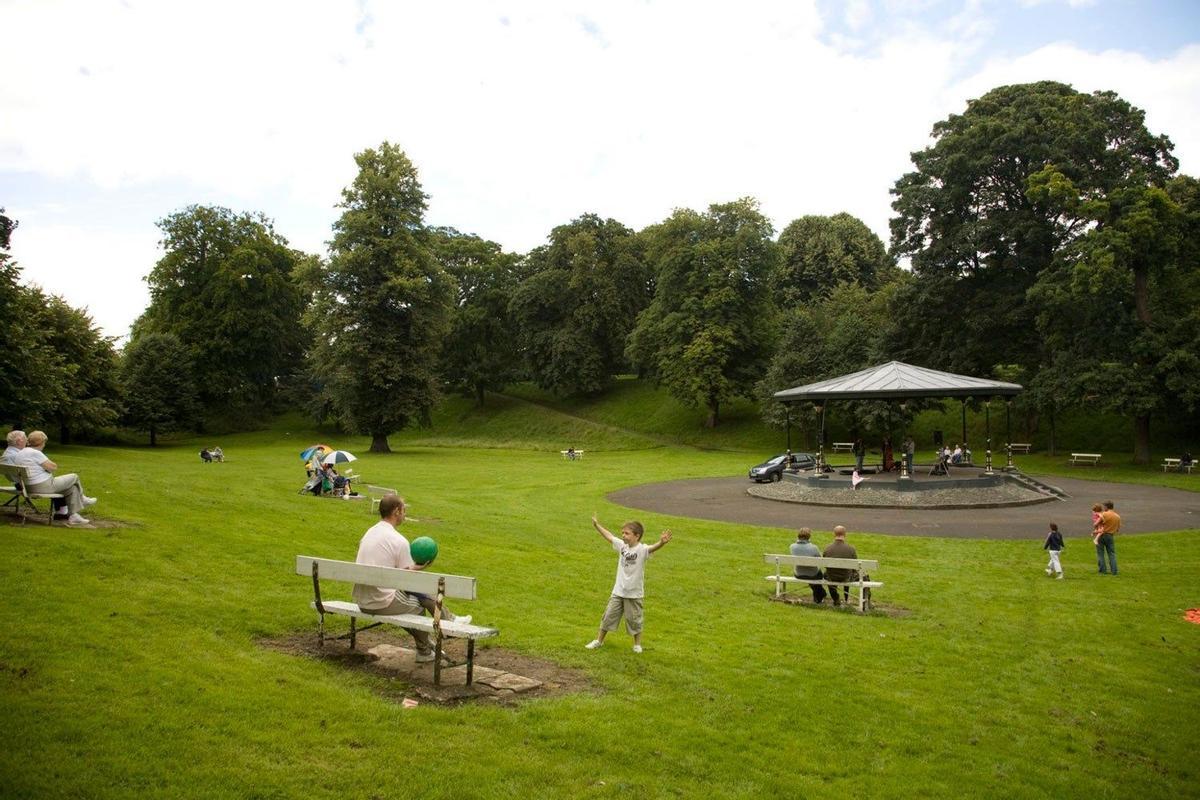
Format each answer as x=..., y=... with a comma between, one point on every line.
x=90, y=400
x=707, y=334
x=575, y=309
x=160, y=395
x=818, y=253
x=978, y=240
x=226, y=288
x=381, y=307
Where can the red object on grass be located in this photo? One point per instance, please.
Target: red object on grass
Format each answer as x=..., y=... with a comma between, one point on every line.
x=1192, y=615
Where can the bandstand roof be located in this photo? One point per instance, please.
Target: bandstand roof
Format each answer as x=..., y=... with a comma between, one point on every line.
x=896, y=380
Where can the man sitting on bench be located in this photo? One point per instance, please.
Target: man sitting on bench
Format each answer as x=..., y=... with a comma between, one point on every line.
x=383, y=546
x=803, y=546
x=840, y=549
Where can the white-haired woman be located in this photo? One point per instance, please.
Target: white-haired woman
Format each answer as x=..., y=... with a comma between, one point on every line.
x=41, y=481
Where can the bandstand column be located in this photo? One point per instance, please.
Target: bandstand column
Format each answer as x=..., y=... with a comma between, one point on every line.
x=821, y=442
x=987, y=462
x=1008, y=432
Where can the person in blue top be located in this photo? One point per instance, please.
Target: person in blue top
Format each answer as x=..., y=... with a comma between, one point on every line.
x=1054, y=544
x=803, y=546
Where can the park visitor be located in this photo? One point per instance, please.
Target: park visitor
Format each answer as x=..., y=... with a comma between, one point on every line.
x=383, y=546
x=629, y=589
x=1097, y=527
x=1110, y=526
x=1054, y=545
x=860, y=450
x=41, y=481
x=910, y=448
x=840, y=548
x=803, y=546
x=16, y=443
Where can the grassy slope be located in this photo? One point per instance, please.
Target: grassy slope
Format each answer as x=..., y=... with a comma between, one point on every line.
x=129, y=664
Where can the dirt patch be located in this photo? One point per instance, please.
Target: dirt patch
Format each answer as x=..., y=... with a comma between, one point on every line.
x=501, y=676
x=877, y=609
x=40, y=519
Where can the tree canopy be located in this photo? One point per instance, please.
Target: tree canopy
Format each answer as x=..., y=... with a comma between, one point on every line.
x=817, y=254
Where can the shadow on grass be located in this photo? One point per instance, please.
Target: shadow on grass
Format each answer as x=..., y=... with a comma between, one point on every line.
x=501, y=676
x=877, y=609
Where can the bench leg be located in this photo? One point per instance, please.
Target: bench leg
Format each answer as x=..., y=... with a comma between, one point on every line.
x=321, y=629
x=353, y=633
x=470, y=661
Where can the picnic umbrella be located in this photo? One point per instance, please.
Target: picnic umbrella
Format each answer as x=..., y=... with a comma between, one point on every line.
x=338, y=457
x=307, y=453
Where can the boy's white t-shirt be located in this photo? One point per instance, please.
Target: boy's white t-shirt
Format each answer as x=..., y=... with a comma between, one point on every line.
x=631, y=569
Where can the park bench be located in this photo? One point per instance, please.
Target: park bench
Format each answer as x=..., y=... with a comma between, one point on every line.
x=843, y=447
x=377, y=493
x=406, y=580
x=1084, y=458
x=1020, y=447
x=22, y=497
x=1170, y=464
x=571, y=455
x=864, y=566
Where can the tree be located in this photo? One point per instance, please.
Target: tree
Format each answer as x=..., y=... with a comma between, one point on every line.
x=978, y=240
x=819, y=253
x=480, y=352
x=381, y=307
x=578, y=304
x=706, y=336
x=91, y=397
x=160, y=395
x=226, y=288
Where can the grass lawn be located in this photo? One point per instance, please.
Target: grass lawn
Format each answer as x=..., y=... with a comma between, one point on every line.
x=131, y=663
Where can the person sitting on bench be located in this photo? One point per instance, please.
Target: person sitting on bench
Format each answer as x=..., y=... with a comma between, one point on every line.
x=1185, y=462
x=839, y=548
x=803, y=546
x=41, y=481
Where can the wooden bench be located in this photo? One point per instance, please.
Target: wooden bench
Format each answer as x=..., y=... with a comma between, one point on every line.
x=1173, y=464
x=1085, y=458
x=842, y=447
x=19, y=477
x=1021, y=447
x=573, y=456
x=406, y=580
x=863, y=566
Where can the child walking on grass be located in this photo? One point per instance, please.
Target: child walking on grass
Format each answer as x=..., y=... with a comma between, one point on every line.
x=628, y=591
x=1054, y=543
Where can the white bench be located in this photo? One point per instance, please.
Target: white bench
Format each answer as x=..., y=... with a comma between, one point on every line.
x=406, y=580
x=842, y=447
x=19, y=477
x=571, y=455
x=377, y=493
x=1170, y=464
x=1020, y=447
x=863, y=566
x=1085, y=458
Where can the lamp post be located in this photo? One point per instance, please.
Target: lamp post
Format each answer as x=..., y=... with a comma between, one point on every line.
x=987, y=461
x=820, y=466
x=1008, y=433
x=904, y=476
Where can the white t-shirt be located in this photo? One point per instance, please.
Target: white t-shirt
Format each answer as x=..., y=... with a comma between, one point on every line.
x=631, y=569
x=9, y=453
x=381, y=546
x=33, y=458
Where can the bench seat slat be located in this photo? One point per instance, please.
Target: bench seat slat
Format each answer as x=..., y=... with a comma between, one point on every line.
x=417, y=621
x=821, y=581
x=407, y=580
x=819, y=561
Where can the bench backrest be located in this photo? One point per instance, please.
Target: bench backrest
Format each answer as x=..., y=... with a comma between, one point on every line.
x=1086, y=455
x=405, y=580
x=821, y=561
x=19, y=476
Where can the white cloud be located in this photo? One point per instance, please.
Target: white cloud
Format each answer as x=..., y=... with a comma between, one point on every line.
x=519, y=117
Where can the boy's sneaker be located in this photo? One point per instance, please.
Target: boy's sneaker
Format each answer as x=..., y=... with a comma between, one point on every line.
x=89, y=501
x=1058, y=577
x=75, y=519
x=1049, y=571
x=593, y=644
x=637, y=648
x=462, y=619
x=425, y=658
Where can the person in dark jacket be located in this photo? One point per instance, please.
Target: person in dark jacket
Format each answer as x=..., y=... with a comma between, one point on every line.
x=839, y=548
x=1054, y=544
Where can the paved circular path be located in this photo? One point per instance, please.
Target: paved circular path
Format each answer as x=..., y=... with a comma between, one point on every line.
x=1143, y=509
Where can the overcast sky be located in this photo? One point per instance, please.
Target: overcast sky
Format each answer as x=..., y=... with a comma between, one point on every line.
x=519, y=115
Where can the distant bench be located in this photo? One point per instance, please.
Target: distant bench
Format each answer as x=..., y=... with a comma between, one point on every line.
x=1020, y=447
x=568, y=454
x=1173, y=464
x=1085, y=458
x=843, y=447
x=405, y=580
x=862, y=565
x=19, y=476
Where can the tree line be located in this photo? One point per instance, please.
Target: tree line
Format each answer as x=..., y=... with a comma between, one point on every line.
x=1048, y=236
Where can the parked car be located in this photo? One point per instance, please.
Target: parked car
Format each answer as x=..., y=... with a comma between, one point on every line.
x=772, y=469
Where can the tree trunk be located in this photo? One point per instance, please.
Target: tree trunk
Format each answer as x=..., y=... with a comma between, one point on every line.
x=1141, y=439
x=153, y=436
x=379, y=443
x=1053, y=433
x=479, y=393
x=1141, y=295
x=714, y=414
x=64, y=433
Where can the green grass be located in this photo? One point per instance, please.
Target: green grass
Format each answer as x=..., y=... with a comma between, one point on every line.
x=130, y=663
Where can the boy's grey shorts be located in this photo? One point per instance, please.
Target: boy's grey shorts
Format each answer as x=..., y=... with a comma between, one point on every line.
x=630, y=607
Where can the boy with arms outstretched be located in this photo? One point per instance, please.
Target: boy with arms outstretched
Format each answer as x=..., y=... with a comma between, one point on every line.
x=629, y=589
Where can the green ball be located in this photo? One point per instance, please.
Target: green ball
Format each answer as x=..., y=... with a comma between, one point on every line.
x=423, y=549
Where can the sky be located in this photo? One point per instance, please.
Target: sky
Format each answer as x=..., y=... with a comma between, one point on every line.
x=519, y=116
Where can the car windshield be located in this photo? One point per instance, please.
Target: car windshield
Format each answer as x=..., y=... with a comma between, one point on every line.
x=776, y=460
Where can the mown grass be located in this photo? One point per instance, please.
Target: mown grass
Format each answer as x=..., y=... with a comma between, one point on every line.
x=131, y=663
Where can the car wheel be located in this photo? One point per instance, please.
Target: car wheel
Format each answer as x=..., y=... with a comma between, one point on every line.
x=777, y=477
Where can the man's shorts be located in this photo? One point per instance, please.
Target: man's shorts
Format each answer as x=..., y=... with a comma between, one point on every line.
x=630, y=608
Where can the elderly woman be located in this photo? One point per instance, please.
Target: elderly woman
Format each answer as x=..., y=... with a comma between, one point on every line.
x=42, y=481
